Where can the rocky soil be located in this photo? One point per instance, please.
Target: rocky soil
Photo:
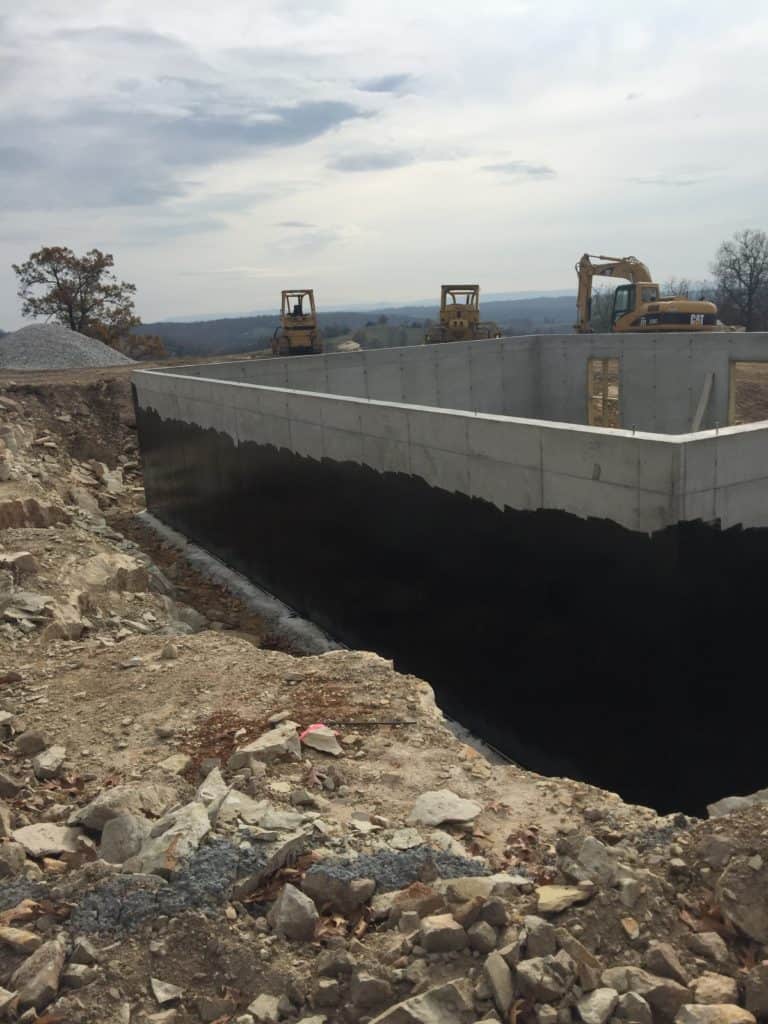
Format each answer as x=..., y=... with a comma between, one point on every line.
x=179, y=844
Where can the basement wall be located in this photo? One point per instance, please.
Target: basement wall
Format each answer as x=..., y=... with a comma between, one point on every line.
x=584, y=598
x=662, y=376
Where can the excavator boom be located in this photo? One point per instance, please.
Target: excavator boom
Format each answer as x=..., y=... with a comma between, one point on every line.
x=638, y=307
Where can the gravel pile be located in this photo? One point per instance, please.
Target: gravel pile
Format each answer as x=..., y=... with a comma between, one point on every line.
x=53, y=347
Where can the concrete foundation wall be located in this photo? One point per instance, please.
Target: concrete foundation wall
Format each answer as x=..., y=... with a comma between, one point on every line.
x=661, y=376
x=487, y=376
x=641, y=481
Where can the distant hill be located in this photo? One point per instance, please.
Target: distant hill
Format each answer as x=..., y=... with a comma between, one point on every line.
x=550, y=314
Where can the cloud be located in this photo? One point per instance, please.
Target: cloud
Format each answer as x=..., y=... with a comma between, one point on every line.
x=110, y=35
x=308, y=241
x=357, y=162
x=293, y=224
x=667, y=181
x=522, y=169
x=135, y=157
x=387, y=83
x=632, y=96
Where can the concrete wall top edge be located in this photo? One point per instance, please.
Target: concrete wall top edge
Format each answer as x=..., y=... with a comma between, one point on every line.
x=549, y=424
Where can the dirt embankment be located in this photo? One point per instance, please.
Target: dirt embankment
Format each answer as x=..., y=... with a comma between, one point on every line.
x=171, y=850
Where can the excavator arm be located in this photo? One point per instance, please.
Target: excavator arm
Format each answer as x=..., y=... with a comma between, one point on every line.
x=626, y=267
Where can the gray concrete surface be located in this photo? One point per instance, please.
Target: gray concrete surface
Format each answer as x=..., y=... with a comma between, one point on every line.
x=503, y=421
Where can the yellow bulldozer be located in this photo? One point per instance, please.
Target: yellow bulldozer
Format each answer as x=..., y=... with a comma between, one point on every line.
x=460, y=316
x=298, y=333
x=639, y=306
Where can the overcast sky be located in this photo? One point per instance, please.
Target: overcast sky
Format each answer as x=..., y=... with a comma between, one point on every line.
x=223, y=151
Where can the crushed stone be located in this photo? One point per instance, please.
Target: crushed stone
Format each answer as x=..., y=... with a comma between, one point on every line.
x=53, y=347
x=123, y=902
x=397, y=869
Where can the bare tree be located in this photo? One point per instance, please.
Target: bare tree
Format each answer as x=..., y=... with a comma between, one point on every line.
x=601, y=310
x=741, y=275
x=679, y=287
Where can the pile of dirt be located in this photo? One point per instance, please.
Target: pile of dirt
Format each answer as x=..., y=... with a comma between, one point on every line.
x=53, y=347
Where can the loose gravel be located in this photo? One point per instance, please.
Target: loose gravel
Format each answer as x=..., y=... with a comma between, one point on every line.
x=123, y=901
x=53, y=347
x=393, y=870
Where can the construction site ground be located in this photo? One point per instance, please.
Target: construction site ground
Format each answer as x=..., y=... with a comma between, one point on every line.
x=298, y=883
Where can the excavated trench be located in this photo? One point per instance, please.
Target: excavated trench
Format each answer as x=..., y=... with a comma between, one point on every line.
x=576, y=647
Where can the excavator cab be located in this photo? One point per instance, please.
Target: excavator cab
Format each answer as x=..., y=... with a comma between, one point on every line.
x=623, y=302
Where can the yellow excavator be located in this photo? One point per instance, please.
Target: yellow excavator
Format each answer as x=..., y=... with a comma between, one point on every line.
x=639, y=306
x=298, y=333
x=460, y=316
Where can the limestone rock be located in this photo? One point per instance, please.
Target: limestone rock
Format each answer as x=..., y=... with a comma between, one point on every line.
x=662, y=959
x=164, y=992
x=546, y=979
x=46, y=839
x=342, y=895
x=440, y=933
x=79, y=975
x=176, y=763
x=710, y=945
x=540, y=936
x=6, y=998
x=418, y=897
x=599, y=861
x=10, y=787
x=293, y=915
x=598, y=1006
x=19, y=939
x=722, y=1013
x=148, y=798
x=633, y=1007
x=443, y=1004
x=31, y=742
x=172, y=840
x=37, y=979
x=5, y=821
x=742, y=893
x=112, y=570
x=123, y=837
x=716, y=850
x=322, y=738
x=482, y=937
x=736, y=803
x=265, y=1009
x=664, y=995
x=712, y=988
x=19, y=562
x=274, y=745
x=367, y=991
x=235, y=806
x=552, y=899
x=212, y=788
x=12, y=859
x=500, y=979
x=47, y=765
x=440, y=805
x=84, y=952
x=215, y=1008
x=756, y=990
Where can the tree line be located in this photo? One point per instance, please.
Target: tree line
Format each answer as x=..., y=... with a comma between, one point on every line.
x=83, y=293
